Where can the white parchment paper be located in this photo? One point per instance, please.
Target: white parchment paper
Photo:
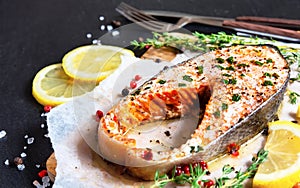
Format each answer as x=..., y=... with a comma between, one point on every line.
x=73, y=132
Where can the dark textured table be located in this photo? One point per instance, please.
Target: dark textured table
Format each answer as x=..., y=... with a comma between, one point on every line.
x=35, y=33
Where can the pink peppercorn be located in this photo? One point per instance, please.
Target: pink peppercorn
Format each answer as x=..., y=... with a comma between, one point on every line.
x=137, y=77
x=133, y=84
x=47, y=108
x=42, y=173
x=99, y=114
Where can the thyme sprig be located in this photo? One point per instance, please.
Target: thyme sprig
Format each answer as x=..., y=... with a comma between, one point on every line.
x=198, y=175
x=238, y=180
x=293, y=96
x=205, y=42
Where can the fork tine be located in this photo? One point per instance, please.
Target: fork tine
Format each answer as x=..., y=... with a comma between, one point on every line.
x=143, y=19
x=140, y=17
x=125, y=7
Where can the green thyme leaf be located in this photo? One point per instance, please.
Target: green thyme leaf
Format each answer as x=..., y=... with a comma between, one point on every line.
x=220, y=60
x=162, y=81
x=269, y=60
x=268, y=83
x=181, y=84
x=236, y=97
x=225, y=81
x=217, y=114
x=224, y=106
x=242, y=65
x=230, y=60
x=227, y=75
x=187, y=78
x=220, y=67
x=267, y=74
x=200, y=69
x=230, y=68
x=258, y=63
x=293, y=97
x=232, y=81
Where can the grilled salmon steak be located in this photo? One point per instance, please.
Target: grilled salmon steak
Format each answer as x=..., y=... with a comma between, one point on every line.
x=192, y=111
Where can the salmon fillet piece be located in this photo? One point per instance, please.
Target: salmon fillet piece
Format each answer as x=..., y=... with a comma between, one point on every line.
x=231, y=92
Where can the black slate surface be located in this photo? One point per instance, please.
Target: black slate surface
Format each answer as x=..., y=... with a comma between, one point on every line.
x=37, y=33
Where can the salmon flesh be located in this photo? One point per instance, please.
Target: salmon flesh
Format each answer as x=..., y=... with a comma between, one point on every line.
x=192, y=111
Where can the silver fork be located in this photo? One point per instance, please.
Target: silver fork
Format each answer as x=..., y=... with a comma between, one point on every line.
x=151, y=23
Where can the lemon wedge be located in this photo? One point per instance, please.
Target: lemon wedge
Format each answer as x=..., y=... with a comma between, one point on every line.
x=51, y=86
x=93, y=62
x=282, y=167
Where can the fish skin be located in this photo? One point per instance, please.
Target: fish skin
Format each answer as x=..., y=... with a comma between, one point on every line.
x=241, y=131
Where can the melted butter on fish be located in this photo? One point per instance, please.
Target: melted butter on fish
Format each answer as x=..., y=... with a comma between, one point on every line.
x=184, y=114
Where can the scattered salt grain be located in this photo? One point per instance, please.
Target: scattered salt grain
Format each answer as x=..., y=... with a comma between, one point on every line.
x=109, y=27
x=89, y=35
x=37, y=166
x=23, y=154
x=30, y=140
x=101, y=18
x=46, y=135
x=102, y=27
x=26, y=136
x=42, y=125
x=115, y=33
x=21, y=167
x=45, y=179
x=95, y=41
x=2, y=133
x=6, y=162
x=25, y=147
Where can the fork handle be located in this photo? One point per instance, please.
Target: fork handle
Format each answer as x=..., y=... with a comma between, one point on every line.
x=269, y=20
x=262, y=28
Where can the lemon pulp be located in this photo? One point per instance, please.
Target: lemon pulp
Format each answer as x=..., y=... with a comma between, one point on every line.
x=282, y=167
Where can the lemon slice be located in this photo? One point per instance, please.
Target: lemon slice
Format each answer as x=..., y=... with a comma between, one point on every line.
x=282, y=167
x=93, y=62
x=51, y=86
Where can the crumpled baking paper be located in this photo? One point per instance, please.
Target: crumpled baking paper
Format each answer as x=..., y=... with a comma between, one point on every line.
x=73, y=133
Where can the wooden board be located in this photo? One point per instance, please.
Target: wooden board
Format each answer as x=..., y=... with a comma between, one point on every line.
x=161, y=54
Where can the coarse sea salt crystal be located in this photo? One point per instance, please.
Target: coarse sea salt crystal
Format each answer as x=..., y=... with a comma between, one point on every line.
x=46, y=181
x=102, y=27
x=26, y=136
x=95, y=41
x=37, y=165
x=21, y=167
x=101, y=18
x=6, y=162
x=23, y=154
x=30, y=140
x=115, y=33
x=109, y=27
x=42, y=125
x=2, y=133
x=46, y=135
x=25, y=147
x=89, y=35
